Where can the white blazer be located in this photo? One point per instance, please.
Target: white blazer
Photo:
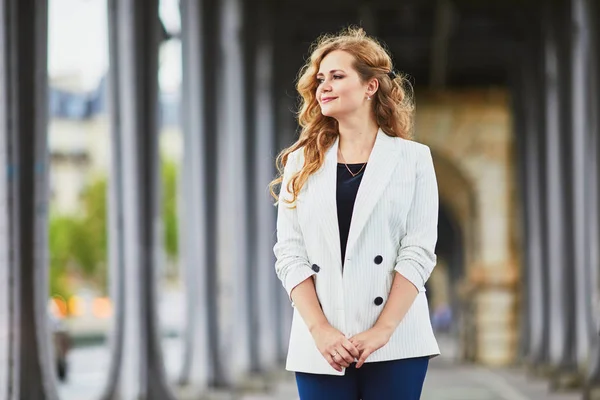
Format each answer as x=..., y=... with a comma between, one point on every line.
x=393, y=229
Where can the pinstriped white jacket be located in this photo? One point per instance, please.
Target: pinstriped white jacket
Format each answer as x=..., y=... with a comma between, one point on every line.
x=393, y=229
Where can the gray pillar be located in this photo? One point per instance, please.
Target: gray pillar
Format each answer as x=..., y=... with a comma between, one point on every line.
x=285, y=309
x=264, y=148
x=520, y=175
x=9, y=274
x=593, y=244
x=134, y=63
x=520, y=96
x=560, y=300
x=192, y=218
x=116, y=251
x=211, y=71
x=542, y=354
x=536, y=269
x=285, y=99
x=252, y=14
x=26, y=368
x=231, y=187
x=581, y=119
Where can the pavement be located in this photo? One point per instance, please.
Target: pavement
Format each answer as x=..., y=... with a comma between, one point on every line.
x=449, y=380
x=446, y=379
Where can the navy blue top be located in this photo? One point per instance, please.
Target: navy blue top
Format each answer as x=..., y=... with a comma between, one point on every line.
x=347, y=187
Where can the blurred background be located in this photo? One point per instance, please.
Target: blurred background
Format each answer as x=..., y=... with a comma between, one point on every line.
x=137, y=142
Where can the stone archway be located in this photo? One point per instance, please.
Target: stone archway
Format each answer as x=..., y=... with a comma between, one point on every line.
x=456, y=250
x=449, y=273
x=470, y=135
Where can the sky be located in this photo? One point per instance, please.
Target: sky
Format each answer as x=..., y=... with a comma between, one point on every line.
x=78, y=43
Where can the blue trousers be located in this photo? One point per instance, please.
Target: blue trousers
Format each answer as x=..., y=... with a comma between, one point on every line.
x=385, y=380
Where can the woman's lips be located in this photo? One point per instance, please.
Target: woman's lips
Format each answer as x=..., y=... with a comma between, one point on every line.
x=327, y=99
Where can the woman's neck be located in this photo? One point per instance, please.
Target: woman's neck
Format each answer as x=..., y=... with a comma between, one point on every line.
x=356, y=141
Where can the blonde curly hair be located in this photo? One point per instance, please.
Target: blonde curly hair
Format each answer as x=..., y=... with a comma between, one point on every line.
x=393, y=105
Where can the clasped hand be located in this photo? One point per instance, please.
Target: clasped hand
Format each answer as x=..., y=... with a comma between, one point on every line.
x=340, y=351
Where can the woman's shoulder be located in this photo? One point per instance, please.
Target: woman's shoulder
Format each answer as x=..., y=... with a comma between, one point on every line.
x=295, y=159
x=413, y=147
x=296, y=154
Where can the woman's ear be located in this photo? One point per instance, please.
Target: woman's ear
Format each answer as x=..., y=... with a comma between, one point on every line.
x=372, y=86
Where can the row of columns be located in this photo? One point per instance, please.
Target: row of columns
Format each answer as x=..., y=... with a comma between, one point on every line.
x=233, y=320
x=237, y=314
x=556, y=106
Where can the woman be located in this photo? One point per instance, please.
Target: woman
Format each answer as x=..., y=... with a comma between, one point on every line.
x=357, y=214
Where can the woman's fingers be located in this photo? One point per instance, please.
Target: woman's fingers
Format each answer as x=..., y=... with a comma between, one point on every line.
x=337, y=349
x=351, y=348
x=342, y=357
x=363, y=357
x=331, y=360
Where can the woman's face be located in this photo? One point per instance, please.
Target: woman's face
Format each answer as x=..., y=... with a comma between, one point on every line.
x=340, y=91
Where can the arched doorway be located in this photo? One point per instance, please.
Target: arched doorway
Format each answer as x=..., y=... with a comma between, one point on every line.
x=451, y=310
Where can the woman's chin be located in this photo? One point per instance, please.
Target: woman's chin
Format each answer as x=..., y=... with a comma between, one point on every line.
x=326, y=111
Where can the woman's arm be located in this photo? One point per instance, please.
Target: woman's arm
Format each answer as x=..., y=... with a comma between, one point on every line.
x=402, y=295
x=293, y=269
x=292, y=265
x=415, y=262
x=332, y=344
x=416, y=257
x=306, y=301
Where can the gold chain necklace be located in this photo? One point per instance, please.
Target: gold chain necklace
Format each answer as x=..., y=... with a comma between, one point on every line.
x=344, y=162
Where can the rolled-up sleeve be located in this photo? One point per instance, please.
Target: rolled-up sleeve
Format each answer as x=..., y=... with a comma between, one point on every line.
x=416, y=257
x=292, y=265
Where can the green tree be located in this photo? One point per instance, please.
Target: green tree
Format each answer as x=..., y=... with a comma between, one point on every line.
x=169, y=208
x=91, y=241
x=80, y=242
x=60, y=233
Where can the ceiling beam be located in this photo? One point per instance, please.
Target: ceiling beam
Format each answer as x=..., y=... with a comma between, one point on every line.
x=367, y=18
x=442, y=30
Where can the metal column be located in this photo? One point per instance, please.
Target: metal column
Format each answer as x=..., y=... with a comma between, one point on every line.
x=116, y=250
x=527, y=114
x=27, y=370
x=285, y=95
x=232, y=263
x=520, y=175
x=561, y=278
x=579, y=36
x=134, y=66
x=196, y=370
x=251, y=14
x=593, y=168
x=537, y=270
x=264, y=149
x=9, y=274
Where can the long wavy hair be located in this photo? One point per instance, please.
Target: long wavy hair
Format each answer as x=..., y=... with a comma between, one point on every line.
x=393, y=105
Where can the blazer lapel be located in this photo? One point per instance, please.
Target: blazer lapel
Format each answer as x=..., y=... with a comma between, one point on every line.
x=323, y=187
x=380, y=166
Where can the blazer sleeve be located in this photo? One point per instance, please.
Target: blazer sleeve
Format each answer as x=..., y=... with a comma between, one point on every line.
x=416, y=257
x=291, y=264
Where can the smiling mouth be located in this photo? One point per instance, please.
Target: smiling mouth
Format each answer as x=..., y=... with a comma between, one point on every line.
x=327, y=99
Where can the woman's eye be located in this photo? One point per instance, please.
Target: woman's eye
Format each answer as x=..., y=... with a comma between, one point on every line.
x=337, y=77
x=320, y=80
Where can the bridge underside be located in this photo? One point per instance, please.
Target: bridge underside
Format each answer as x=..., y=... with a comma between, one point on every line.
x=240, y=59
